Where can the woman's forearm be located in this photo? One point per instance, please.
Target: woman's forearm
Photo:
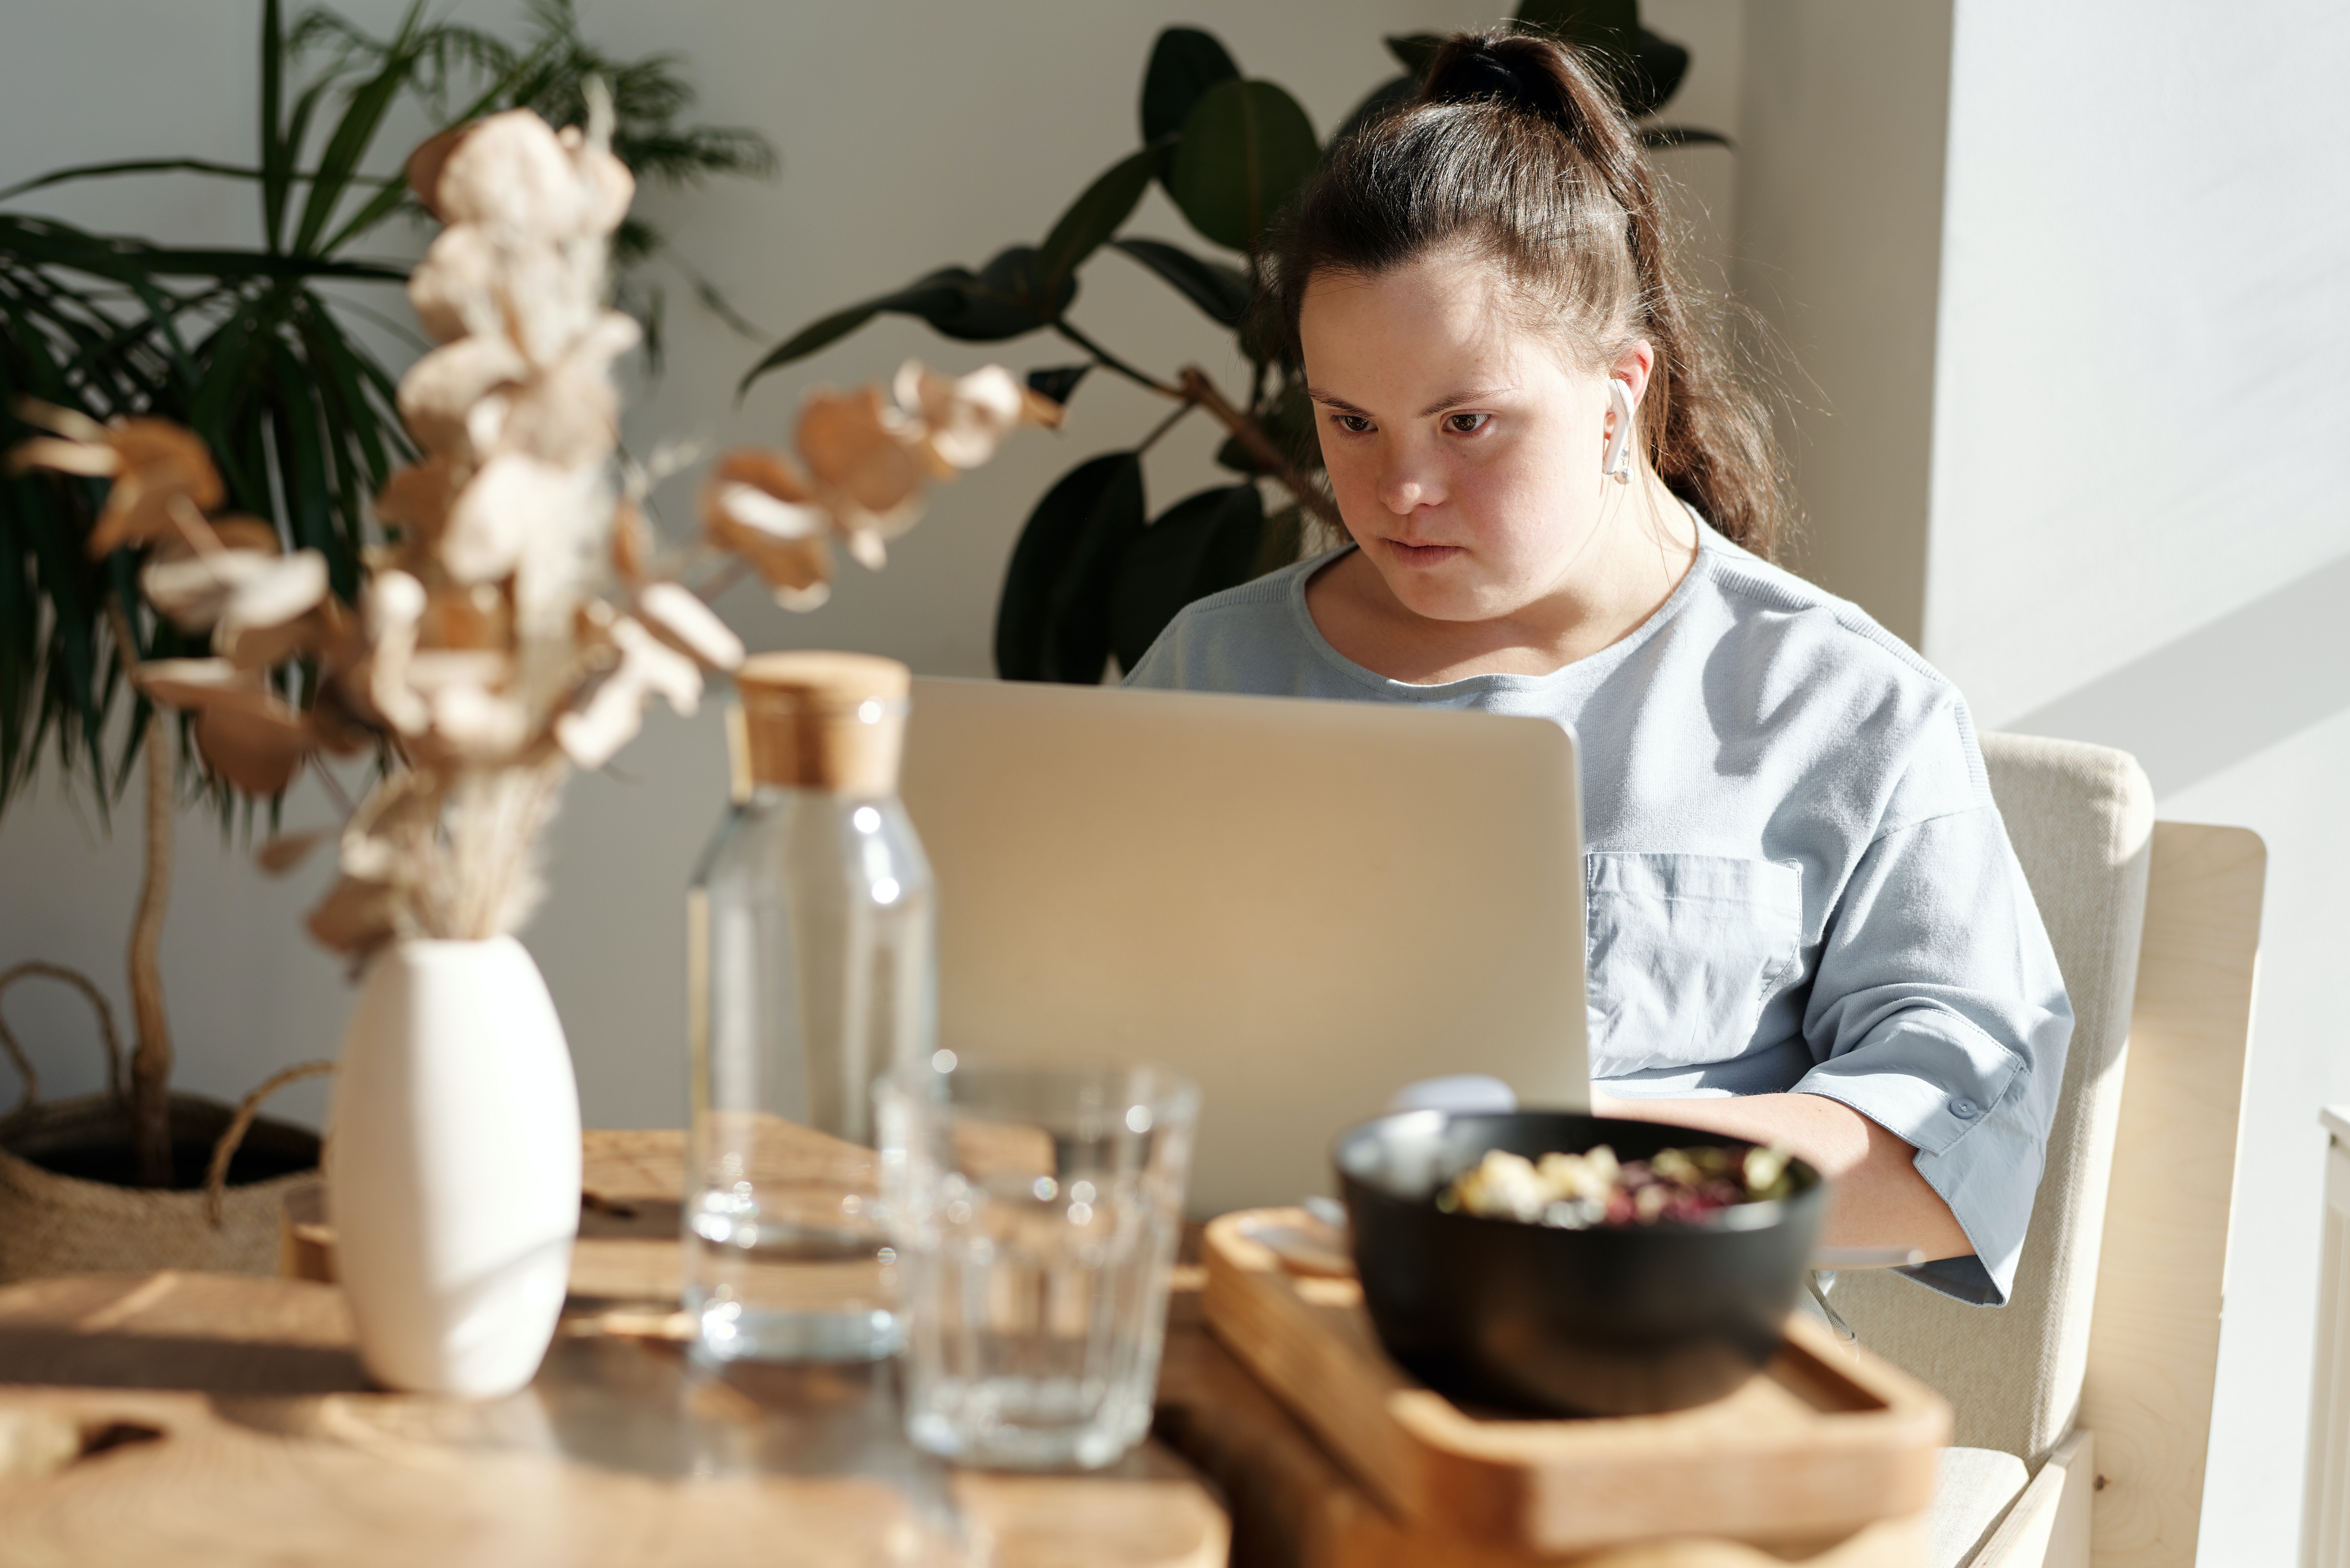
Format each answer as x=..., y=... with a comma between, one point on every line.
x=1876, y=1198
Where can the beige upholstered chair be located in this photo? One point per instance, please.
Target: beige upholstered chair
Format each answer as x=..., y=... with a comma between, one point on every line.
x=2083, y=1405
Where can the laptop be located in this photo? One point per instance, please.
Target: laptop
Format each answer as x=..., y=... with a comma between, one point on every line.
x=1304, y=906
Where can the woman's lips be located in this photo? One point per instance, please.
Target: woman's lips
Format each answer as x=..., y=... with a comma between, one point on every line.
x=1422, y=555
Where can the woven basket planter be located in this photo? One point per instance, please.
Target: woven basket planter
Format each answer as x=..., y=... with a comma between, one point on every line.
x=57, y=1224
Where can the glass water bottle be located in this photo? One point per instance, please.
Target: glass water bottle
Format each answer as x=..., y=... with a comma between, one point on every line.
x=811, y=972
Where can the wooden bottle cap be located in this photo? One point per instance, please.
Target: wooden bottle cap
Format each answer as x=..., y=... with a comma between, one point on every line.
x=818, y=721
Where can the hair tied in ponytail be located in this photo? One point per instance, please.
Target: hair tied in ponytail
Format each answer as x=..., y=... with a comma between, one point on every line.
x=1518, y=148
x=1472, y=67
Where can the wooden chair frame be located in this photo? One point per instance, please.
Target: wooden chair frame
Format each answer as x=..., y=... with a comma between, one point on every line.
x=2125, y=1489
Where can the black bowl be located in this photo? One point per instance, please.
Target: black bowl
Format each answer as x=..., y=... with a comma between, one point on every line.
x=1611, y=1321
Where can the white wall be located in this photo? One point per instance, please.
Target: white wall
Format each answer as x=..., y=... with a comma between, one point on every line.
x=1838, y=244
x=2096, y=338
x=2141, y=530
x=913, y=133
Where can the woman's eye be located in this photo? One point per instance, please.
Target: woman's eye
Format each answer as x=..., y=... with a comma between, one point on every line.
x=1354, y=425
x=1466, y=424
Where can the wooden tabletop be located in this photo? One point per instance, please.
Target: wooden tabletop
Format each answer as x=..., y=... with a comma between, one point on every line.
x=206, y=1419
x=198, y=1419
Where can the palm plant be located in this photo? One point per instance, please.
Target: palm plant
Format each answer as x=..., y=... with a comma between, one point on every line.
x=1094, y=576
x=252, y=349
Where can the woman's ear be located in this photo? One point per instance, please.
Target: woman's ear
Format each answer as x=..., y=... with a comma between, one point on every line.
x=1634, y=367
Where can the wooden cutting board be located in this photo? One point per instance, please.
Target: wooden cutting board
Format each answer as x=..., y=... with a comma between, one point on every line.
x=1823, y=1442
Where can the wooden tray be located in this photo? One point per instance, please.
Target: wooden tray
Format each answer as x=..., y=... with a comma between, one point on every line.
x=1826, y=1439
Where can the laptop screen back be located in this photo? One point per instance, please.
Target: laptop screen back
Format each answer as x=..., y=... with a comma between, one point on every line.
x=1302, y=905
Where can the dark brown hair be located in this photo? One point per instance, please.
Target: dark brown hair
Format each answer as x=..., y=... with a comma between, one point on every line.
x=1515, y=148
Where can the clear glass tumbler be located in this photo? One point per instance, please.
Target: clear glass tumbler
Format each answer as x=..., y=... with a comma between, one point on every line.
x=1035, y=1210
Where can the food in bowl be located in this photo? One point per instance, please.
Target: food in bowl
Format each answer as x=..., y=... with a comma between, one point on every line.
x=1576, y=1191
x=1608, y=1320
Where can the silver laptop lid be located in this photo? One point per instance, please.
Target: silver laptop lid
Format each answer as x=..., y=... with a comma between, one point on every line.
x=1303, y=905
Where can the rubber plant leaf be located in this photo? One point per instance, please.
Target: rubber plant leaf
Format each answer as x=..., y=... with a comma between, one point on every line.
x=1049, y=546
x=1184, y=64
x=1218, y=288
x=933, y=297
x=1201, y=544
x=1657, y=137
x=1057, y=383
x=1413, y=51
x=1094, y=217
x=1658, y=66
x=1012, y=295
x=1076, y=631
x=1245, y=150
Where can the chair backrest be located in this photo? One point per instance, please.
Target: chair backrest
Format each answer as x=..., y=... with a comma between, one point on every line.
x=2154, y=1344
x=2082, y=819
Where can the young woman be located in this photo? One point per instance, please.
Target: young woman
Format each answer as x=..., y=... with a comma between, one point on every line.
x=1807, y=925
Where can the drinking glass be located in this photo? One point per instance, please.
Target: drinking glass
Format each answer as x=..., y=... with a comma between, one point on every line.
x=1035, y=1210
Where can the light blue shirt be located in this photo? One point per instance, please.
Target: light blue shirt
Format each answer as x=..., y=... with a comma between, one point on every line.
x=1796, y=878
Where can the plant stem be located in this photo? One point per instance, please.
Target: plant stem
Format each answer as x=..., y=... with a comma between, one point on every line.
x=151, y=1060
x=1163, y=426
x=1245, y=430
x=1195, y=388
x=1110, y=361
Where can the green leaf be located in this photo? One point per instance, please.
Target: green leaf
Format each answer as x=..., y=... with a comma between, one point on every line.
x=1004, y=299
x=1184, y=64
x=1217, y=287
x=302, y=460
x=1659, y=65
x=1094, y=216
x=1644, y=69
x=933, y=297
x=1053, y=616
x=1245, y=150
x=1059, y=382
x=1608, y=25
x=1201, y=546
x=1010, y=297
x=1278, y=544
x=1657, y=138
x=276, y=164
x=129, y=166
x=354, y=133
x=1415, y=52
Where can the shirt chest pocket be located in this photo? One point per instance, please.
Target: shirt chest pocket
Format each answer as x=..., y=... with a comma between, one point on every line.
x=1683, y=951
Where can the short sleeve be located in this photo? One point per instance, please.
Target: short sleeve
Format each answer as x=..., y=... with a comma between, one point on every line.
x=1938, y=1011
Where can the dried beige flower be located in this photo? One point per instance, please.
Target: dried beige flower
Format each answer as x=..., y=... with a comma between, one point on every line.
x=439, y=395
x=513, y=171
x=455, y=287
x=158, y=470
x=964, y=419
x=481, y=655
x=759, y=505
x=688, y=625
x=865, y=454
x=258, y=750
x=493, y=517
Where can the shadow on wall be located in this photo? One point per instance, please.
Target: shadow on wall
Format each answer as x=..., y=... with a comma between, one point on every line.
x=2241, y=684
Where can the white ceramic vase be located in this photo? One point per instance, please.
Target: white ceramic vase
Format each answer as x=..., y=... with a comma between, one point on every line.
x=452, y=1166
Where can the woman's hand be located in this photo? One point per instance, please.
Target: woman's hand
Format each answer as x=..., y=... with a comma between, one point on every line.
x=1876, y=1197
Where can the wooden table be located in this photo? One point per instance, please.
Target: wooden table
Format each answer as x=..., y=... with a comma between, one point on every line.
x=193, y=1419
x=206, y=1419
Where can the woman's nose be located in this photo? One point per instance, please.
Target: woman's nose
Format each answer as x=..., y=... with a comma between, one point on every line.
x=1405, y=488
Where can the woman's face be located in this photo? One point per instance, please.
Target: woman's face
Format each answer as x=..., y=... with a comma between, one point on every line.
x=1465, y=450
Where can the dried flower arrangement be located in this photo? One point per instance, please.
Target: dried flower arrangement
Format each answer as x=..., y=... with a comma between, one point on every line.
x=523, y=613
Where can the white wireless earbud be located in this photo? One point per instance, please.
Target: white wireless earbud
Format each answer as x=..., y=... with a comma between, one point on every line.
x=1616, y=463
